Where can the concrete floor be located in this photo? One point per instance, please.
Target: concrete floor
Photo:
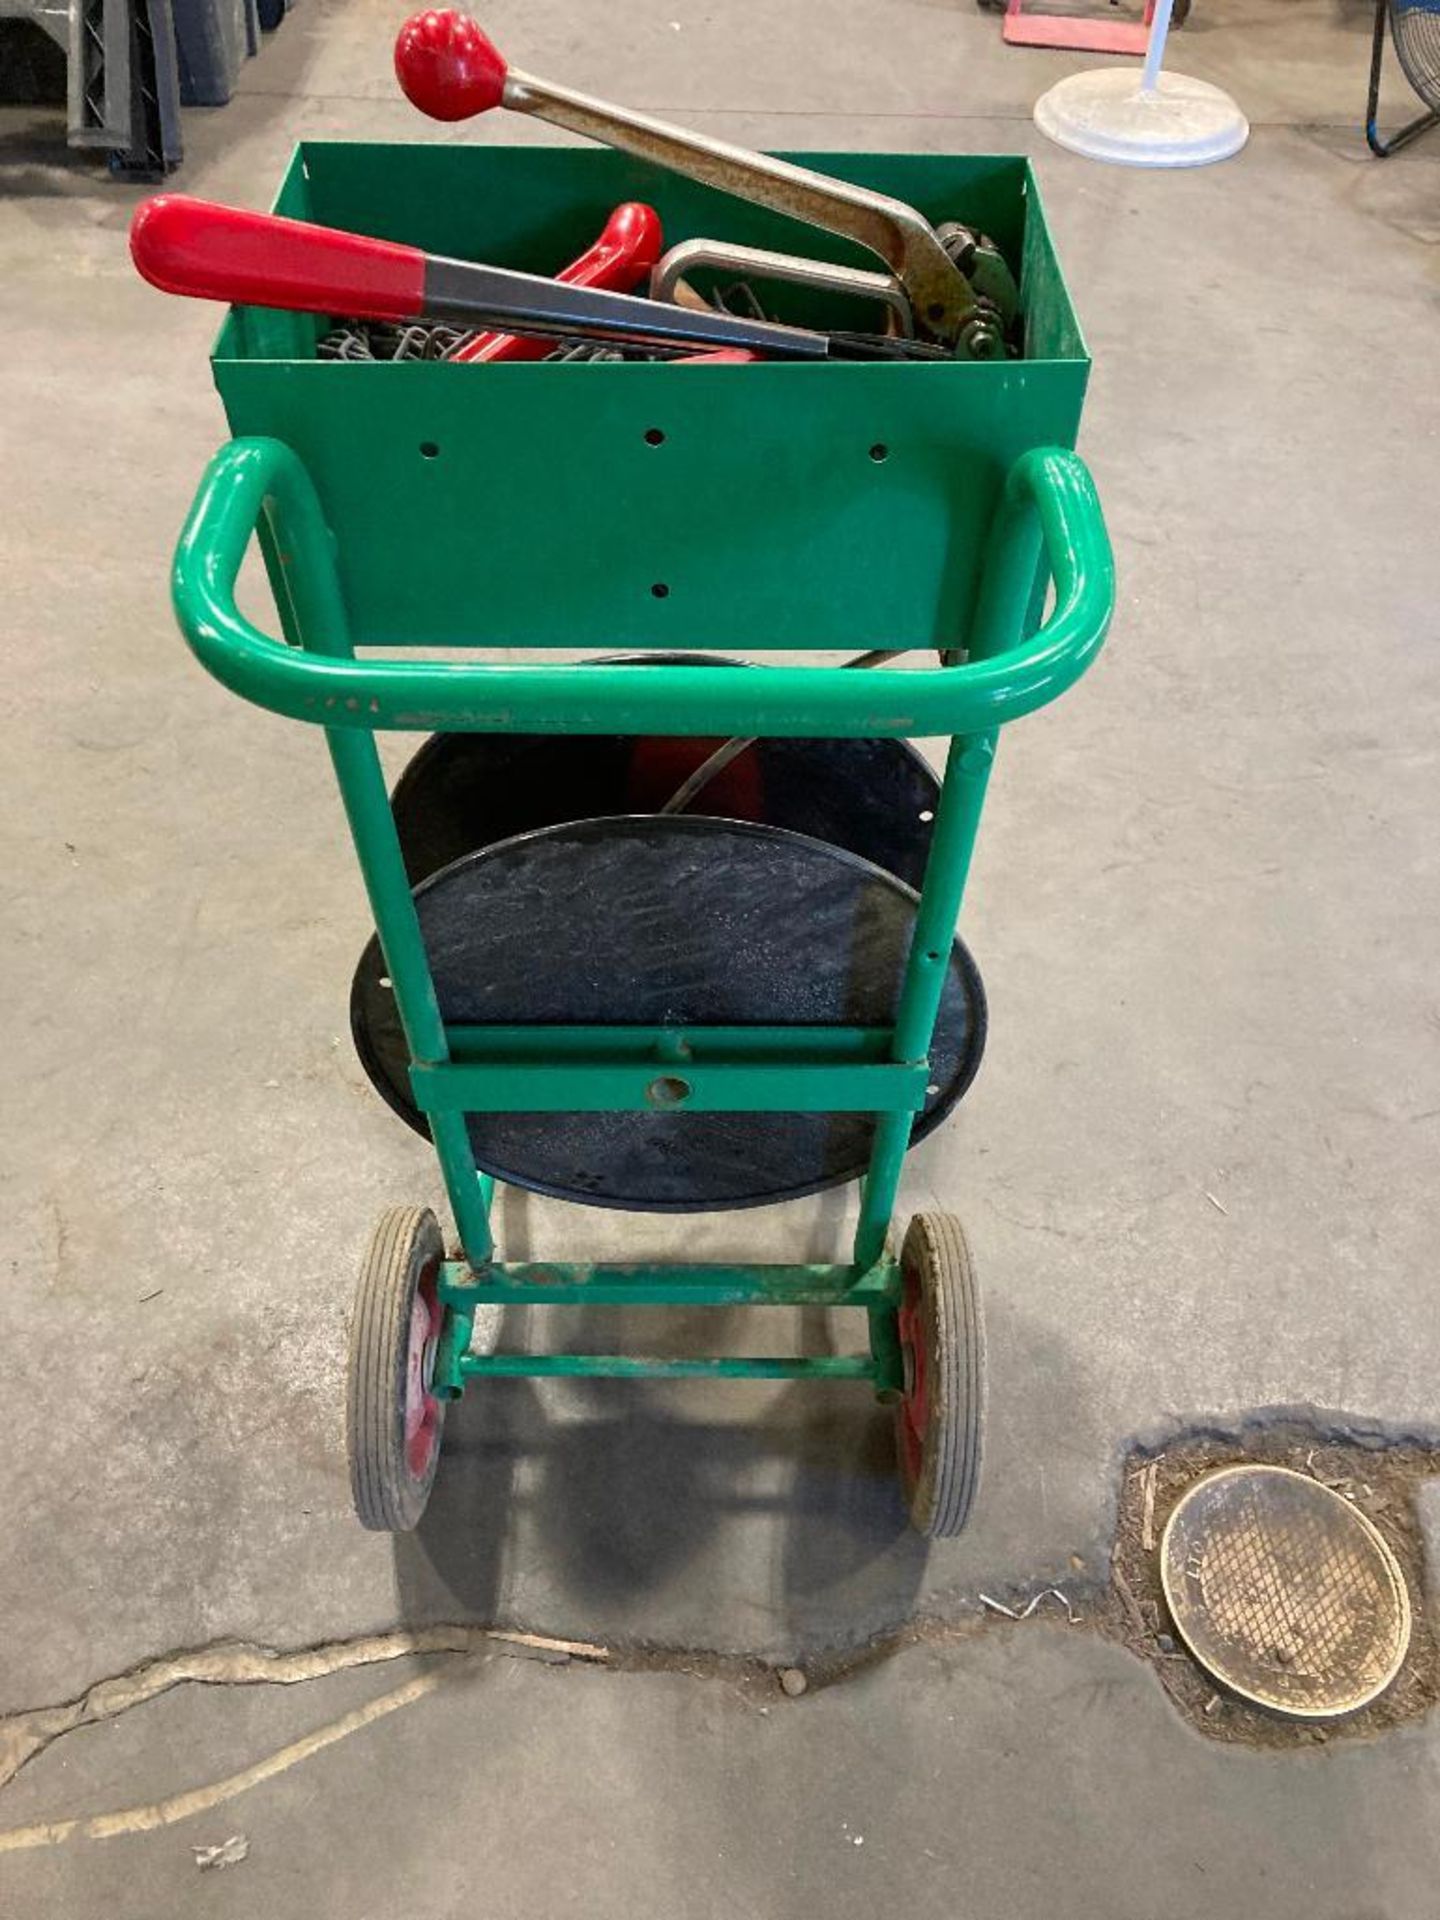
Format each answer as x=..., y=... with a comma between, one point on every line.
x=1206, y=904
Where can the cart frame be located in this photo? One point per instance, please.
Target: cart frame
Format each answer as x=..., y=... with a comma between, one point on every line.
x=1048, y=528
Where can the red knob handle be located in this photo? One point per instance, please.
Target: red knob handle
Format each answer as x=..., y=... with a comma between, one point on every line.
x=447, y=66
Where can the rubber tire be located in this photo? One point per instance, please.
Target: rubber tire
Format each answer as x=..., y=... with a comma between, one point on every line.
x=388, y=1497
x=936, y=1258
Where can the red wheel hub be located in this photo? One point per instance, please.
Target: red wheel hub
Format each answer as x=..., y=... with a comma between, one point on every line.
x=422, y=1409
x=914, y=1408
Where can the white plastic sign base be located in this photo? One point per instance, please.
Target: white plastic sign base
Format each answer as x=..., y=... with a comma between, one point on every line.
x=1108, y=114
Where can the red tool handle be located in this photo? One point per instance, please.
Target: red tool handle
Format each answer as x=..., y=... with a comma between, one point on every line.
x=447, y=66
x=211, y=252
x=257, y=259
x=620, y=259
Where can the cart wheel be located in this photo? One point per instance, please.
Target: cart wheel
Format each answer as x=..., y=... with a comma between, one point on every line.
x=939, y=1418
x=393, y=1421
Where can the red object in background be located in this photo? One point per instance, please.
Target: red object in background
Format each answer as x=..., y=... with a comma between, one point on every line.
x=447, y=66
x=661, y=763
x=620, y=259
x=1076, y=33
x=257, y=259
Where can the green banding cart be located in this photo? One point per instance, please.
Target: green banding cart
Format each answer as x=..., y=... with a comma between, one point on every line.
x=929, y=508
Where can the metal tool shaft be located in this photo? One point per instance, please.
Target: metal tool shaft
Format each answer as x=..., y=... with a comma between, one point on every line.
x=940, y=295
x=473, y=295
x=761, y=264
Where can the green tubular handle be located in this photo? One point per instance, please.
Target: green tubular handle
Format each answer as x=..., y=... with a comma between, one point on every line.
x=1049, y=502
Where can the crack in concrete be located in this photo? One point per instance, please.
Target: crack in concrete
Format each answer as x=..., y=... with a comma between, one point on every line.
x=229, y=1663
x=26, y=1734
x=182, y=1806
x=240, y=1663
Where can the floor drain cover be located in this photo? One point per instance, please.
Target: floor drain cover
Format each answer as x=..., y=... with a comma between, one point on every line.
x=1284, y=1592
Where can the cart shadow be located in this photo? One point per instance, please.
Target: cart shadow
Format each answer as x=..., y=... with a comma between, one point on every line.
x=452, y=1566
x=711, y=1512
x=596, y=1509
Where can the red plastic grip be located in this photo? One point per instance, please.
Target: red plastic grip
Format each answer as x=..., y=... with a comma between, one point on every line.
x=257, y=259
x=447, y=66
x=628, y=247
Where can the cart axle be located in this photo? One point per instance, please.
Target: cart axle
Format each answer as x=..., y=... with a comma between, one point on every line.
x=624, y=1366
x=564, y=1283
x=463, y=1289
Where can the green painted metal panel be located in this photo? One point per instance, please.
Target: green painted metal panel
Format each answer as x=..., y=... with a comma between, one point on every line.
x=886, y=1351
x=578, y=1086
x=544, y=204
x=618, y=1366
x=547, y=519
x=667, y=1044
x=957, y=822
x=1047, y=493
x=567, y=1283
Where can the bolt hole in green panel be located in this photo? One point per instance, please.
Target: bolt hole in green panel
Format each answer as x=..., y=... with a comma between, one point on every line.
x=551, y=515
x=668, y=1091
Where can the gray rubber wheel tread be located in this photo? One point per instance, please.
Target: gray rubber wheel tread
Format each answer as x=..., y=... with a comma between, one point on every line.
x=388, y=1499
x=936, y=1248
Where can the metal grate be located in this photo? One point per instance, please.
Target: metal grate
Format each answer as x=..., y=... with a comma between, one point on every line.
x=1415, y=30
x=1284, y=1592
